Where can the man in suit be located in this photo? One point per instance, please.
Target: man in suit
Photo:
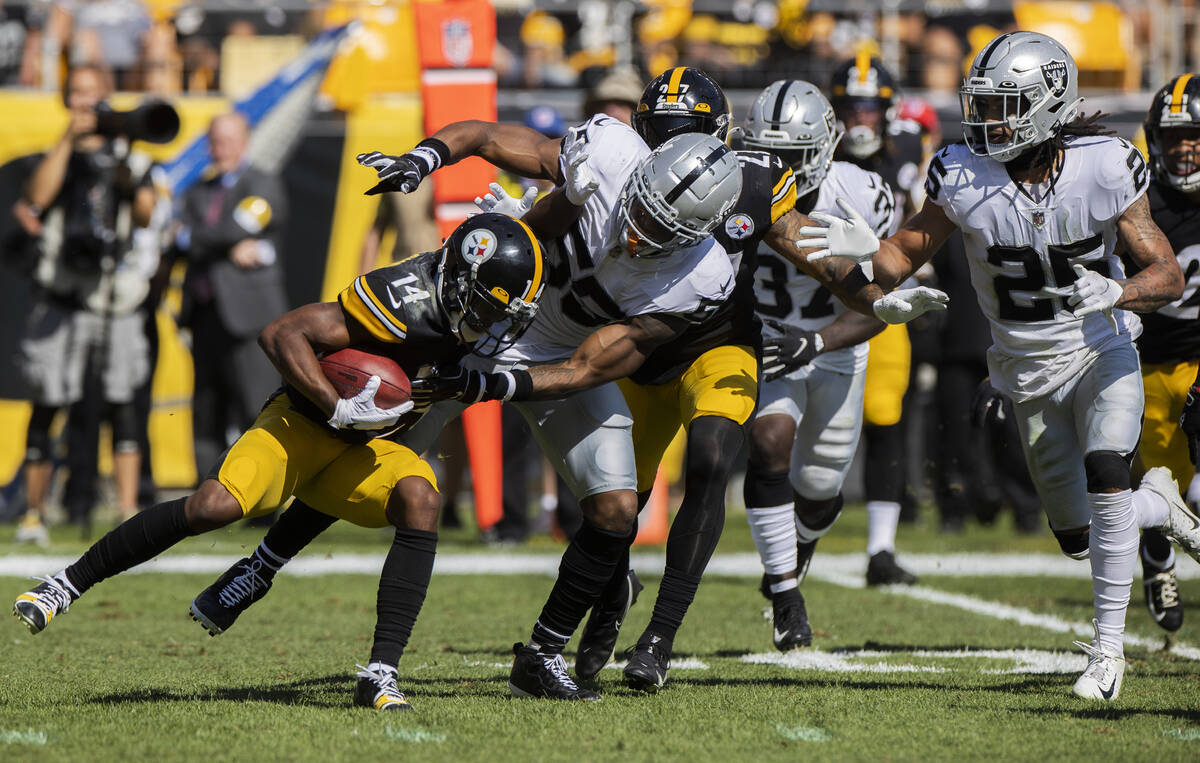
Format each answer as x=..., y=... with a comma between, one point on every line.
x=231, y=227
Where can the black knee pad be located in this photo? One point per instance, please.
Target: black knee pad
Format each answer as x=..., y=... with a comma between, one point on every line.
x=125, y=428
x=1074, y=543
x=764, y=488
x=820, y=514
x=37, y=436
x=1107, y=470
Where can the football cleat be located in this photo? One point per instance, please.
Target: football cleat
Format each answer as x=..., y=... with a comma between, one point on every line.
x=1182, y=525
x=38, y=607
x=218, y=606
x=541, y=674
x=1105, y=670
x=377, y=689
x=883, y=570
x=1162, y=596
x=791, y=629
x=599, y=639
x=649, y=661
x=32, y=531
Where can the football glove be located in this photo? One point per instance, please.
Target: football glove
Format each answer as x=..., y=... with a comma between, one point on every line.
x=793, y=348
x=989, y=405
x=360, y=411
x=458, y=383
x=1189, y=421
x=1093, y=293
x=903, y=305
x=400, y=173
x=500, y=202
x=580, y=182
x=850, y=236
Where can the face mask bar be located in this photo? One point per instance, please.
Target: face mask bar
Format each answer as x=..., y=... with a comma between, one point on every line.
x=1179, y=168
x=649, y=218
x=808, y=159
x=986, y=109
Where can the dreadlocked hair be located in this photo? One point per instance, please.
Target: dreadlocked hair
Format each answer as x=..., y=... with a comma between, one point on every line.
x=1045, y=153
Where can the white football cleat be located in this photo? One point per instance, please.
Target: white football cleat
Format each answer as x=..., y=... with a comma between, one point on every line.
x=1182, y=525
x=1104, y=673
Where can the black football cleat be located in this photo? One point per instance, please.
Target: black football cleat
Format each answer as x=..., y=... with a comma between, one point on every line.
x=649, y=661
x=883, y=570
x=791, y=628
x=1162, y=596
x=377, y=689
x=541, y=674
x=219, y=605
x=599, y=639
x=37, y=607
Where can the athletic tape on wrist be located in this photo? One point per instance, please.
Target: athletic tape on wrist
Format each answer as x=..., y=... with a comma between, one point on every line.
x=434, y=152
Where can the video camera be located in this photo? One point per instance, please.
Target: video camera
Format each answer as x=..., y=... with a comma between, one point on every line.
x=153, y=121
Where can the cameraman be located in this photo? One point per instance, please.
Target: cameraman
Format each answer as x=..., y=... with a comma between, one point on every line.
x=89, y=199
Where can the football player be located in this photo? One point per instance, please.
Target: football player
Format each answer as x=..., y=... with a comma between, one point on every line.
x=330, y=451
x=808, y=420
x=1170, y=343
x=635, y=267
x=1043, y=197
x=865, y=101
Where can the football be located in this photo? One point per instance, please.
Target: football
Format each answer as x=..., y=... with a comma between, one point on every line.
x=349, y=369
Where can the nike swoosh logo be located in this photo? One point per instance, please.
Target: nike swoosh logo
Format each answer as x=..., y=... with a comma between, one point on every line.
x=392, y=297
x=780, y=636
x=1108, y=693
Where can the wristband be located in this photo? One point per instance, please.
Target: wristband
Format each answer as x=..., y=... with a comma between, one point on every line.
x=513, y=385
x=434, y=152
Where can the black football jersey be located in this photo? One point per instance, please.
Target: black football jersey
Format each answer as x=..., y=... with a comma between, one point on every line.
x=1171, y=334
x=768, y=193
x=400, y=308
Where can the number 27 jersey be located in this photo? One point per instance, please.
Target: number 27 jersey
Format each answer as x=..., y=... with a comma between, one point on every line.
x=1021, y=254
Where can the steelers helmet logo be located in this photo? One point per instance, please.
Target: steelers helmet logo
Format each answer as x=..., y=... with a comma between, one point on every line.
x=478, y=246
x=739, y=227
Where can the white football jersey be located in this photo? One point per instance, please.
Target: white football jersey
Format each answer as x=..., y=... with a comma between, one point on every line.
x=1021, y=254
x=594, y=282
x=785, y=293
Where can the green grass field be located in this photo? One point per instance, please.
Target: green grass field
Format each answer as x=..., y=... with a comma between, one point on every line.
x=125, y=675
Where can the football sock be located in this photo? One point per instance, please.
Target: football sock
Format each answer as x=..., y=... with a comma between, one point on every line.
x=814, y=518
x=882, y=518
x=270, y=562
x=584, y=572
x=697, y=527
x=1156, y=549
x=402, y=587
x=1151, y=509
x=774, y=531
x=614, y=593
x=295, y=529
x=1113, y=546
x=139, y=538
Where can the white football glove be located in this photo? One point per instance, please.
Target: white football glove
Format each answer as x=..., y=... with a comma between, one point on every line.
x=580, y=182
x=850, y=236
x=500, y=202
x=902, y=305
x=360, y=411
x=1093, y=293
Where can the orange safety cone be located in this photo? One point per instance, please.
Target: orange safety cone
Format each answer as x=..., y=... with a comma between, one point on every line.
x=655, y=521
x=481, y=425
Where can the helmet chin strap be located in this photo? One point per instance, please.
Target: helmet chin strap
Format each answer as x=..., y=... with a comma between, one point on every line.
x=862, y=141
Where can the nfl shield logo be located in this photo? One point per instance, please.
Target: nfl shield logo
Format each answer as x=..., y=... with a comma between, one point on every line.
x=457, y=41
x=1039, y=218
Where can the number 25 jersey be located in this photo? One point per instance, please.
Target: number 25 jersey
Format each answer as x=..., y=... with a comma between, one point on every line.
x=1021, y=254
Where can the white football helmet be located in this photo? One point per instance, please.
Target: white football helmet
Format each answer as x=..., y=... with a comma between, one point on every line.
x=677, y=195
x=1019, y=92
x=794, y=121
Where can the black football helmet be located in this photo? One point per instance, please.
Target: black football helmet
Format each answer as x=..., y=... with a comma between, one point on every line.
x=862, y=84
x=1175, y=114
x=678, y=101
x=492, y=274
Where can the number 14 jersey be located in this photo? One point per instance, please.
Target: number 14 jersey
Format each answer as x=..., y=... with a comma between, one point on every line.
x=1021, y=254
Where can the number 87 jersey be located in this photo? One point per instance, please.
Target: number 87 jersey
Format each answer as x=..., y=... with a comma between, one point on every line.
x=1022, y=243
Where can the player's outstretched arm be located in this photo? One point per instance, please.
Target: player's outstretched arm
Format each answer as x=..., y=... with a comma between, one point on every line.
x=611, y=352
x=1160, y=280
x=293, y=340
x=515, y=148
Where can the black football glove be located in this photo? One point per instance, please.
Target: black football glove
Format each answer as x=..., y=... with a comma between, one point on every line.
x=793, y=348
x=396, y=173
x=457, y=383
x=989, y=405
x=1189, y=421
